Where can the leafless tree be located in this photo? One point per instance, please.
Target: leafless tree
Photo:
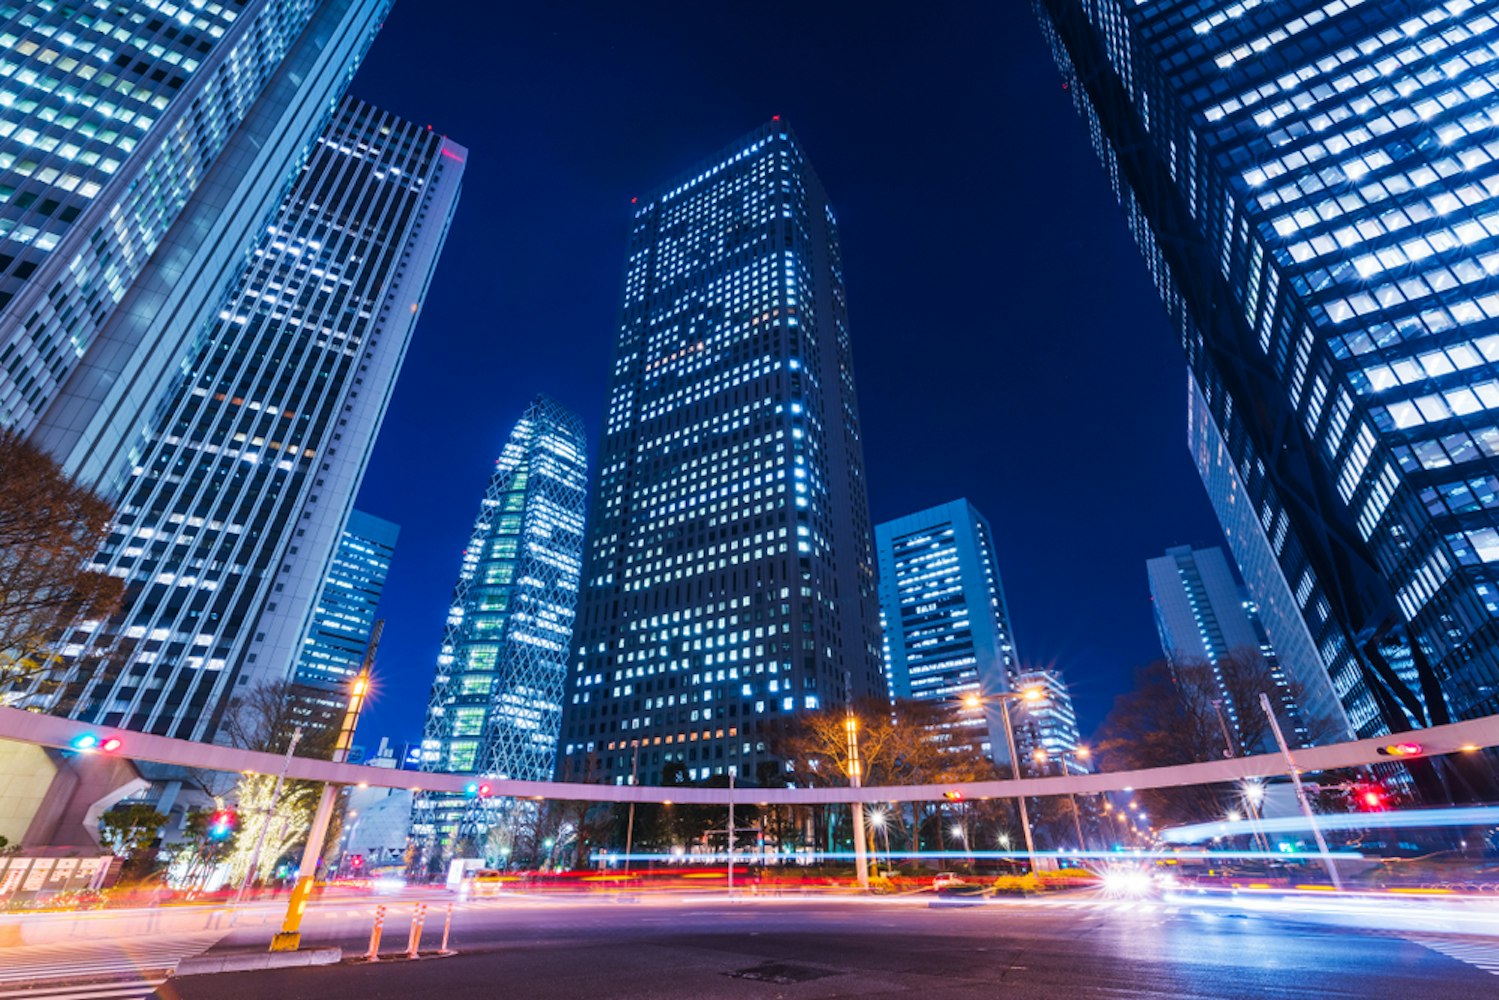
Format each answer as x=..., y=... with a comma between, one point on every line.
x=51, y=527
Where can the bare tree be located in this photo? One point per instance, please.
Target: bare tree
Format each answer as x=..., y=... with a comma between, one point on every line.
x=51, y=527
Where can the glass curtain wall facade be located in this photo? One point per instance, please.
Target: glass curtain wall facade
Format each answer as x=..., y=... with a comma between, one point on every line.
x=729, y=579
x=947, y=628
x=142, y=144
x=342, y=621
x=496, y=706
x=229, y=520
x=1315, y=187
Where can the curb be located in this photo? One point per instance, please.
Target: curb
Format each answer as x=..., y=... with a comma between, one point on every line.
x=203, y=965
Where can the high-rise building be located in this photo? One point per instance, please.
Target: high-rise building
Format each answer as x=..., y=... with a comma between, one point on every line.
x=235, y=506
x=1046, y=734
x=729, y=577
x=496, y=704
x=947, y=628
x=343, y=620
x=1314, y=190
x=1204, y=617
x=144, y=143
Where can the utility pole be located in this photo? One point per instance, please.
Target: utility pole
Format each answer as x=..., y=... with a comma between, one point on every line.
x=1306, y=806
x=289, y=938
x=1025, y=820
x=731, y=831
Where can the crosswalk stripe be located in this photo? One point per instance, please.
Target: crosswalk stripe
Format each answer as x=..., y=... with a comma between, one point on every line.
x=90, y=991
x=1482, y=955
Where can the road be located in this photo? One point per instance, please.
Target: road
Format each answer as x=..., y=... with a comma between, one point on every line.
x=710, y=947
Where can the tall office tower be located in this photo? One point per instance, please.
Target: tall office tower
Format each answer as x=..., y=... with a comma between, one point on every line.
x=1046, y=734
x=947, y=629
x=1313, y=186
x=232, y=514
x=729, y=579
x=143, y=145
x=343, y=620
x=496, y=704
x=1204, y=616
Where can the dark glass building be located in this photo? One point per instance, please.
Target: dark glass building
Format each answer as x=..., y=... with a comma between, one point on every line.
x=1315, y=186
x=729, y=575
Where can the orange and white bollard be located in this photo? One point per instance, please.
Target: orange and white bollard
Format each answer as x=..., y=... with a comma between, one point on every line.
x=418, y=917
x=447, y=925
x=373, y=954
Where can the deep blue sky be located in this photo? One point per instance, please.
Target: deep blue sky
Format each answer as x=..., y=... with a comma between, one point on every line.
x=1008, y=344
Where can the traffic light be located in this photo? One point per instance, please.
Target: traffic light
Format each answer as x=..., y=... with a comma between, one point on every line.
x=484, y=791
x=1369, y=797
x=93, y=742
x=471, y=789
x=356, y=862
x=953, y=796
x=221, y=824
x=1401, y=750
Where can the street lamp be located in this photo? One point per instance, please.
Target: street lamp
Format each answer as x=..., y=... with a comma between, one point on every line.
x=877, y=818
x=1076, y=753
x=1030, y=695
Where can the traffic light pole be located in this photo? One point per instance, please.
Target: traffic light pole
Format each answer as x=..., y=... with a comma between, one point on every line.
x=1306, y=807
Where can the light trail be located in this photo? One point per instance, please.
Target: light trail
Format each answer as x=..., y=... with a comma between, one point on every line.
x=1462, y=816
x=810, y=857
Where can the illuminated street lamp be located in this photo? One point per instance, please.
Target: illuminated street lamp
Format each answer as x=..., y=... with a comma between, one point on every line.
x=1077, y=753
x=878, y=819
x=1030, y=695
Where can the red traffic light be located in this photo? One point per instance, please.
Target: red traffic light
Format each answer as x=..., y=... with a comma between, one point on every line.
x=110, y=745
x=91, y=742
x=1370, y=798
x=484, y=791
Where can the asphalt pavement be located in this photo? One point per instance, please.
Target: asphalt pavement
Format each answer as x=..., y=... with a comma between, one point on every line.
x=661, y=948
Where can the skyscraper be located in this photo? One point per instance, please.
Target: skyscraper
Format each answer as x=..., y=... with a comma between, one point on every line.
x=342, y=621
x=1046, y=735
x=1203, y=616
x=947, y=628
x=1313, y=186
x=234, y=508
x=497, y=696
x=729, y=578
x=143, y=144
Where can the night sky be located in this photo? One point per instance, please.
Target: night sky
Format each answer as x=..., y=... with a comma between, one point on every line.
x=1008, y=344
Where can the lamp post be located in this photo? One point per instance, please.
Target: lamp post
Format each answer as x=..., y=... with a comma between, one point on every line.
x=861, y=862
x=1030, y=695
x=1077, y=753
x=878, y=818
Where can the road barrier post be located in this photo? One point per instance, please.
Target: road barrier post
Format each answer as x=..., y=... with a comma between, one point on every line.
x=418, y=917
x=447, y=925
x=373, y=954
